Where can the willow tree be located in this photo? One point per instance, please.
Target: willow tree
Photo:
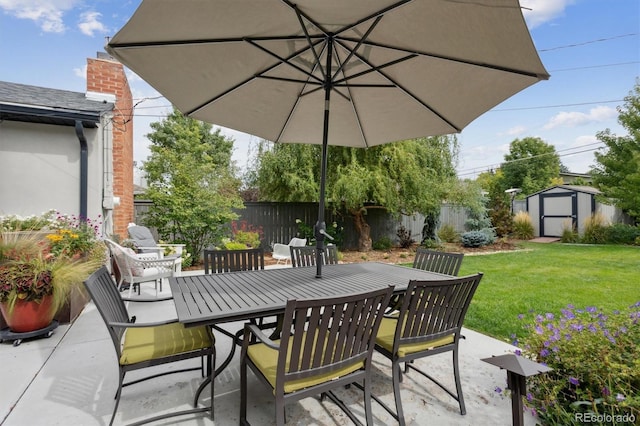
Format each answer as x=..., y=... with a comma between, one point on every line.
x=191, y=183
x=406, y=177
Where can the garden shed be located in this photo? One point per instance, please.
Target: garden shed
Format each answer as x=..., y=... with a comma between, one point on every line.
x=553, y=209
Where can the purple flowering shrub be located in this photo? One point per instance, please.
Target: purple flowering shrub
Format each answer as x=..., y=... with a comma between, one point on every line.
x=595, y=358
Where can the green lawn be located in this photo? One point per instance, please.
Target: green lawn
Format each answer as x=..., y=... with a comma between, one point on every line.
x=546, y=278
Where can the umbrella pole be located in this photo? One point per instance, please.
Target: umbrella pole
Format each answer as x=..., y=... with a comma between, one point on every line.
x=321, y=226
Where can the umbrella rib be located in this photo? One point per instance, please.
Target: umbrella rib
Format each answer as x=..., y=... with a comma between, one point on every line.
x=300, y=93
x=447, y=58
x=374, y=69
x=286, y=61
x=351, y=25
x=166, y=43
x=355, y=48
x=311, y=46
x=408, y=93
x=258, y=75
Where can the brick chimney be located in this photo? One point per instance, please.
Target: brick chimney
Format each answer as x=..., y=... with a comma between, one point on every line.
x=106, y=75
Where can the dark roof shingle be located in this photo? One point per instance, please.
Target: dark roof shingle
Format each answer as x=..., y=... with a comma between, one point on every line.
x=21, y=102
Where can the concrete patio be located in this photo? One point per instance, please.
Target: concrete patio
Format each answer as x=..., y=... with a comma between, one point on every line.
x=71, y=379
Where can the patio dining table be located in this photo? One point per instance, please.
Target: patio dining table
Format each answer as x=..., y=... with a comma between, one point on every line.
x=218, y=298
x=213, y=299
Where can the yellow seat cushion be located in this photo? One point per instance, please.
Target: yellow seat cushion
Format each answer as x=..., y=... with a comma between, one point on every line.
x=143, y=344
x=266, y=359
x=387, y=332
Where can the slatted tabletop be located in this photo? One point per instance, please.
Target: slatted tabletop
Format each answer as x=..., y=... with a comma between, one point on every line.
x=218, y=298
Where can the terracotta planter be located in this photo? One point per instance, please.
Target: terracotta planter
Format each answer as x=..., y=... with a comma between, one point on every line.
x=28, y=316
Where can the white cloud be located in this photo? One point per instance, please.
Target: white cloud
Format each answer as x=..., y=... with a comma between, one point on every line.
x=584, y=140
x=90, y=23
x=515, y=131
x=573, y=119
x=538, y=12
x=47, y=14
x=81, y=72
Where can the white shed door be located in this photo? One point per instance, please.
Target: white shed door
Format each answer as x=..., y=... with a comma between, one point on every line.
x=558, y=211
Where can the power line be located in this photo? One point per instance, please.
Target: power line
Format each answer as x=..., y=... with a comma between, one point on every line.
x=557, y=106
x=596, y=66
x=584, y=43
x=474, y=170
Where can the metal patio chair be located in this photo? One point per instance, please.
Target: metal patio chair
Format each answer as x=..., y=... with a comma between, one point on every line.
x=221, y=261
x=306, y=256
x=281, y=251
x=225, y=261
x=328, y=344
x=139, y=345
x=432, y=261
x=438, y=261
x=428, y=323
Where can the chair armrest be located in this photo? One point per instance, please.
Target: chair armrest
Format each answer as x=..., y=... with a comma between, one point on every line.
x=142, y=325
x=145, y=300
x=250, y=329
x=149, y=256
x=155, y=263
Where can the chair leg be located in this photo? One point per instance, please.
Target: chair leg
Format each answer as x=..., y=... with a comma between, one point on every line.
x=397, y=377
x=212, y=368
x=117, y=397
x=456, y=373
x=367, y=401
x=243, y=389
x=280, y=413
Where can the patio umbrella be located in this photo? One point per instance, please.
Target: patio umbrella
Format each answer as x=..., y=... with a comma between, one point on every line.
x=355, y=73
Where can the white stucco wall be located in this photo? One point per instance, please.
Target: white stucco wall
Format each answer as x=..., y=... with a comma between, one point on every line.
x=40, y=169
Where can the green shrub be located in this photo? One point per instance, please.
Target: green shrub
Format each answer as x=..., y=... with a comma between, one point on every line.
x=595, y=230
x=474, y=239
x=490, y=234
x=522, y=226
x=187, y=259
x=246, y=233
x=383, y=243
x=448, y=233
x=595, y=357
x=234, y=245
x=430, y=244
x=249, y=239
x=404, y=235
x=619, y=233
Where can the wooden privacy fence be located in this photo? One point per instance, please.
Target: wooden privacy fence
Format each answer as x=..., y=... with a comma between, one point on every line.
x=278, y=221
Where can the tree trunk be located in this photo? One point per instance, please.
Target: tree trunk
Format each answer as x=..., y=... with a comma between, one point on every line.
x=429, y=228
x=363, y=228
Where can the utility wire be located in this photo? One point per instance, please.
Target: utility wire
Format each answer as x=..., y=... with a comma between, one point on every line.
x=474, y=170
x=584, y=43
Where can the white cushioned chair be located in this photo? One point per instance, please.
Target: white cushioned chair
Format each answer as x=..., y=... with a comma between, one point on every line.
x=281, y=252
x=145, y=243
x=136, y=268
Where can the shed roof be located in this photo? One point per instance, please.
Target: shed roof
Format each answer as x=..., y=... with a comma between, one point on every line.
x=575, y=188
x=21, y=102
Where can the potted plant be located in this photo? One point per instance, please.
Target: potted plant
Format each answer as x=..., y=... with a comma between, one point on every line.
x=42, y=270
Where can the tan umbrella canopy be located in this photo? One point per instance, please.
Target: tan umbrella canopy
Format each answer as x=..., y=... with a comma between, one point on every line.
x=355, y=73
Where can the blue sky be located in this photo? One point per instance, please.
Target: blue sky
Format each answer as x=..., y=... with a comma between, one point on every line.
x=591, y=48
